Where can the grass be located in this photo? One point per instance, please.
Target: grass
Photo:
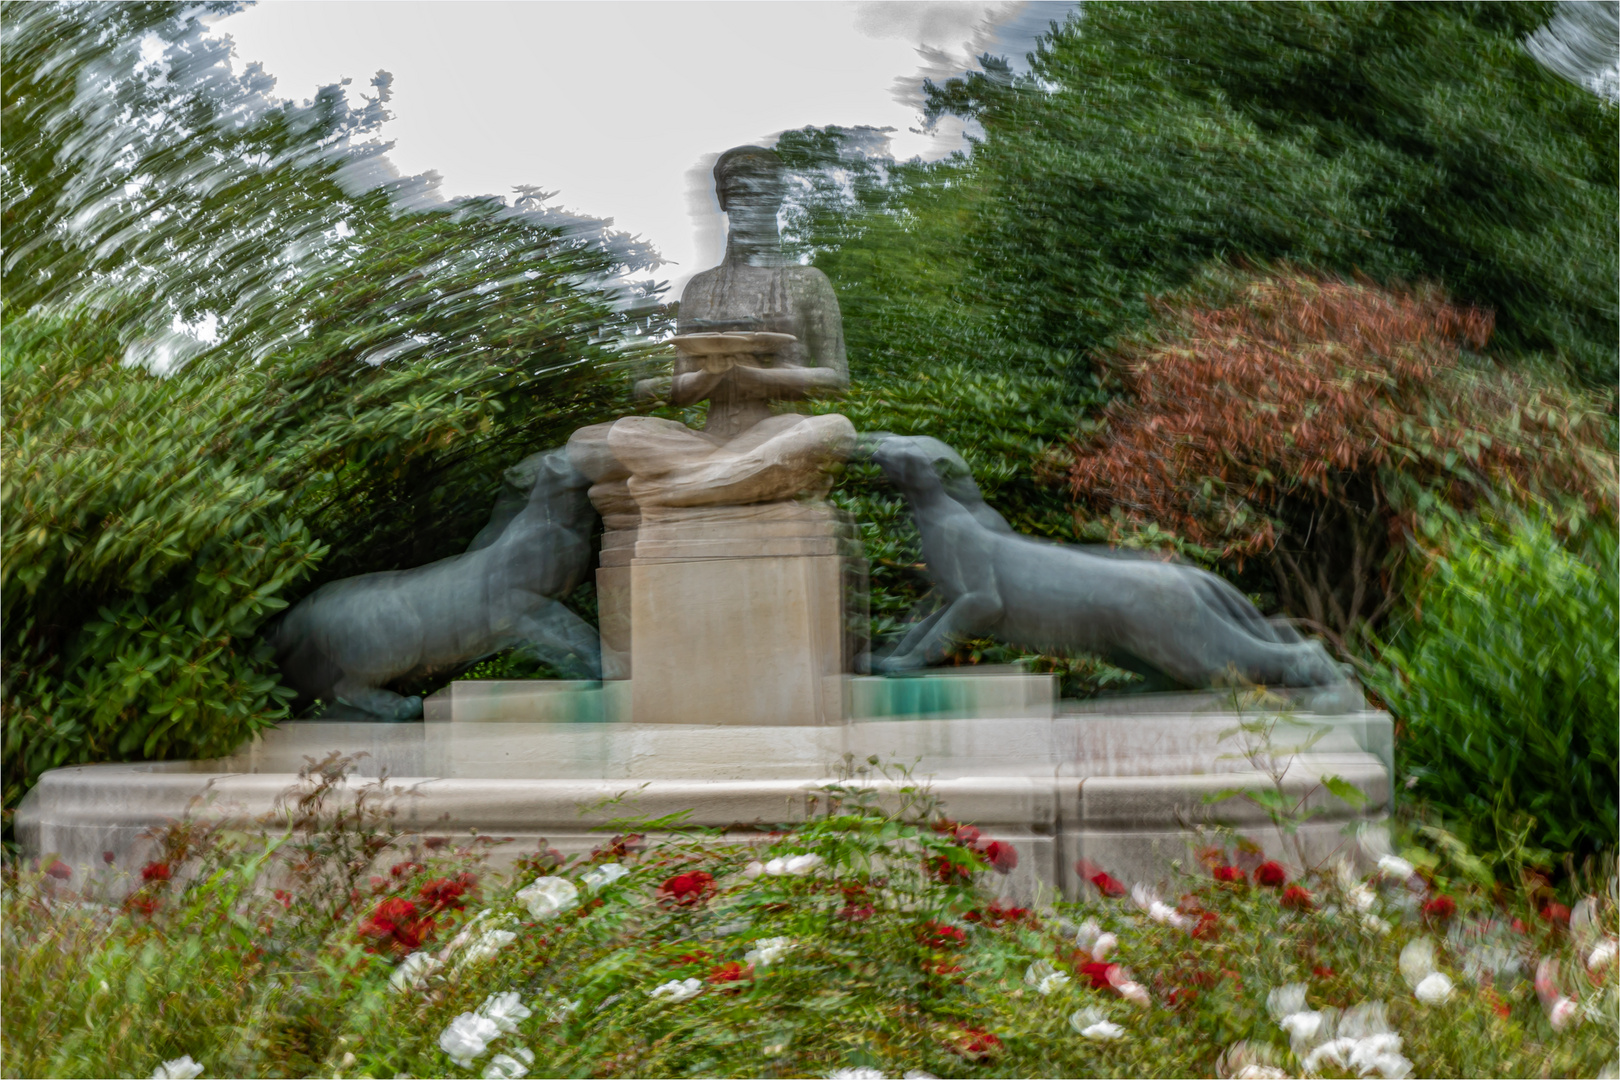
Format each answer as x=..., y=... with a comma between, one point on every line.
x=859, y=944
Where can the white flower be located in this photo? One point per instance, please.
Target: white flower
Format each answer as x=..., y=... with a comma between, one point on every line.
x=861, y=1072
x=467, y=1037
x=484, y=946
x=1286, y=1000
x=1603, y=955
x=1334, y=1052
x=1105, y=944
x=1158, y=910
x=1433, y=990
x=767, y=951
x=918, y=1074
x=1044, y=978
x=413, y=971
x=1417, y=961
x=1379, y=1053
x=1092, y=1023
x=1393, y=866
x=548, y=896
x=1374, y=925
x=1244, y=1060
x=677, y=990
x=1133, y=992
x=1302, y=1027
x=1564, y=1013
x=754, y=869
x=799, y=865
x=508, y=1066
x=505, y=1010
x=181, y=1068
x=606, y=874
x=1369, y=1020
x=1169, y=916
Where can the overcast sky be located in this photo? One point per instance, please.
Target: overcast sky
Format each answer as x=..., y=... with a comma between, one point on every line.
x=621, y=107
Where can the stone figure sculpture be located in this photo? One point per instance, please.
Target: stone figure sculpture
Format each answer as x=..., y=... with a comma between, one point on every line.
x=344, y=641
x=1172, y=618
x=752, y=331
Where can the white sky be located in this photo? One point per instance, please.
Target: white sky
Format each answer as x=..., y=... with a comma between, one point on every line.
x=621, y=107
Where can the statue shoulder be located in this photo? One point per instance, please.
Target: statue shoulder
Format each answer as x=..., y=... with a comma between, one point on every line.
x=807, y=280
x=700, y=284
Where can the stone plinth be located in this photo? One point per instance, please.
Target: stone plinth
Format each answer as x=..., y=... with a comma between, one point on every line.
x=736, y=615
x=619, y=532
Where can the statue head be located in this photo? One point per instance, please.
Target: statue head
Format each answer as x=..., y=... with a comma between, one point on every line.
x=749, y=178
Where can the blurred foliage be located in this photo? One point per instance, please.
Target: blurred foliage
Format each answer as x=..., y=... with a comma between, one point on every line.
x=378, y=356
x=1151, y=145
x=1404, y=141
x=1325, y=428
x=1507, y=682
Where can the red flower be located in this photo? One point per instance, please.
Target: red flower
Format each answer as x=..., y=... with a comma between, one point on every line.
x=441, y=893
x=1321, y=971
x=977, y=1045
x=945, y=871
x=1518, y=926
x=1208, y=926
x=620, y=847
x=687, y=889
x=964, y=834
x=1106, y=884
x=284, y=898
x=141, y=905
x=938, y=935
x=1297, y=898
x=108, y=857
x=731, y=971
x=155, y=871
x=998, y=914
x=1229, y=874
x=1439, y=908
x=1182, y=995
x=857, y=912
x=394, y=924
x=1271, y=875
x=1556, y=913
x=61, y=871
x=1098, y=974
x=1002, y=856
x=405, y=869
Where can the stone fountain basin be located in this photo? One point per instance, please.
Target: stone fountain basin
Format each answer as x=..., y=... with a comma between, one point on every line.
x=1127, y=786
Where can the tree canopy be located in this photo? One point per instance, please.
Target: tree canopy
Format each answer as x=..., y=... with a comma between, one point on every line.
x=379, y=355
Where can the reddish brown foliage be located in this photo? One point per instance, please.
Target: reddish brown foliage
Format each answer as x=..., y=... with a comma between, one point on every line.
x=1247, y=424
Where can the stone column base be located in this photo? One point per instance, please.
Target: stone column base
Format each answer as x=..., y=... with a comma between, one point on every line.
x=737, y=615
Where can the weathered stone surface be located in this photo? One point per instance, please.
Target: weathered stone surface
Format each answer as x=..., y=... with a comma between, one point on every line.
x=1124, y=790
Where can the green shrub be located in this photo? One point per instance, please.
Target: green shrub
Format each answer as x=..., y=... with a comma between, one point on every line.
x=1506, y=686
x=137, y=565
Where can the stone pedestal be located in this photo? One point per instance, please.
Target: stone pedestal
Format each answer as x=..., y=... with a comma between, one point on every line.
x=736, y=615
x=619, y=532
